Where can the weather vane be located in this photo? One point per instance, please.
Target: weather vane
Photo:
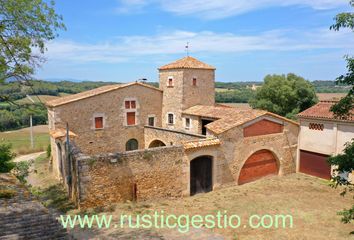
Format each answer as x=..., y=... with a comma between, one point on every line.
x=187, y=49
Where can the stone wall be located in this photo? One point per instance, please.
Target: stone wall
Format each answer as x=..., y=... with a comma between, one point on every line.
x=183, y=94
x=167, y=136
x=154, y=173
x=113, y=137
x=235, y=150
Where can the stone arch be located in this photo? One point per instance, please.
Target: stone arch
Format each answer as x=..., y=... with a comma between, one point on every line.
x=201, y=174
x=156, y=143
x=258, y=164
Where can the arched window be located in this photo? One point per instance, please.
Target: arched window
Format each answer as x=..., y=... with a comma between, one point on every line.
x=131, y=145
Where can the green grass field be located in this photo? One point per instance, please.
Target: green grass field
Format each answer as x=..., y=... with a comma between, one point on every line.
x=20, y=139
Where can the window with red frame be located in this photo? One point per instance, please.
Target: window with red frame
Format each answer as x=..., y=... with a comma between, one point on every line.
x=130, y=104
x=130, y=118
x=98, y=122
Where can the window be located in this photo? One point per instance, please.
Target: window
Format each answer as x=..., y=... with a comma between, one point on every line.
x=170, y=118
x=316, y=126
x=130, y=118
x=194, y=82
x=151, y=121
x=131, y=145
x=170, y=82
x=130, y=104
x=188, y=123
x=98, y=122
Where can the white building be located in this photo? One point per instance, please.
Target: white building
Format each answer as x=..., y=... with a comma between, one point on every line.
x=321, y=135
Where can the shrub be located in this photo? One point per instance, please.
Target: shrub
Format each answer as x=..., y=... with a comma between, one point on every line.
x=21, y=170
x=5, y=158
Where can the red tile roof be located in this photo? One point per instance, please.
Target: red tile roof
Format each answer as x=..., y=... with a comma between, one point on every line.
x=322, y=111
x=227, y=118
x=201, y=143
x=187, y=62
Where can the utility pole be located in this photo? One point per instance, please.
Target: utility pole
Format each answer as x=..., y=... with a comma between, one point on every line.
x=31, y=132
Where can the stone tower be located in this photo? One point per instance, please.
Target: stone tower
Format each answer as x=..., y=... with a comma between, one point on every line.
x=185, y=83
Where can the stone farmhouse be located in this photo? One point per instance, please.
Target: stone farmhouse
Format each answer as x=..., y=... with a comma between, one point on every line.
x=137, y=142
x=322, y=135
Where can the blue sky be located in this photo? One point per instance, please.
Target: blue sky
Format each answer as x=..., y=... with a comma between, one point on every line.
x=124, y=40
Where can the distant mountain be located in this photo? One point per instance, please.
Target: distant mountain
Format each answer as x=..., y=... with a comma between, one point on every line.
x=65, y=79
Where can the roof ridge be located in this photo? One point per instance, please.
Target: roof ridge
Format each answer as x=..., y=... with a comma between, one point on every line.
x=187, y=63
x=91, y=93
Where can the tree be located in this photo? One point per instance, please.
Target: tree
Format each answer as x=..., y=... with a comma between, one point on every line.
x=25, y=26
x=286, y=95
x=345, y=164
x=343, y=108
x=5, y=158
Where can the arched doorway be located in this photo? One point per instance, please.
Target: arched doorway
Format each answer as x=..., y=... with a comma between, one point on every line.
x=131, y=145
x=260, y=164
x=201, y=175
x=156, y=143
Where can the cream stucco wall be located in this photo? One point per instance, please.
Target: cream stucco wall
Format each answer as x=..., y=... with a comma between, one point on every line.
x=329, y=141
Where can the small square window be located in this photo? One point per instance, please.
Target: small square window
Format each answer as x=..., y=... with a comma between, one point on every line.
x=151, y=121
x=170, y=118
x=194, y=81
x=127, y=104
x=98, y=122
x=132, y=104
x=188, y=123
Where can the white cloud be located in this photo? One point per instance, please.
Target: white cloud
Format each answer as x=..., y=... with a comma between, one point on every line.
x=214, y=9
x=126, y=48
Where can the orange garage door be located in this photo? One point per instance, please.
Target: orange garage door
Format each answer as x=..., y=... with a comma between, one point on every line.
x=258, y=165
x=315, y=164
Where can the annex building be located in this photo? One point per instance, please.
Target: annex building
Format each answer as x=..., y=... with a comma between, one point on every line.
x=137, y=142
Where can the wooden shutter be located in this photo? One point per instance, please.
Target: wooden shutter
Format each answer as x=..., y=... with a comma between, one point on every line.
x=127, y=104
x=99, y=122
x=132, y=104
x=131, y=118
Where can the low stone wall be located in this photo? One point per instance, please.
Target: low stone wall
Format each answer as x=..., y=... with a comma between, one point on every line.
x=168, y=136
x=142, y=174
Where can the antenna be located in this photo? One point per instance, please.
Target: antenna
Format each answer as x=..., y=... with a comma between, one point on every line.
x=187, y=49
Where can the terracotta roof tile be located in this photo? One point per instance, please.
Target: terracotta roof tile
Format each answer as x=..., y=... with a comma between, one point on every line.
x=93, y=92
x=60, y=133
x=187, y=62
x=322, y=111
x=227, y=118
x=201, y=143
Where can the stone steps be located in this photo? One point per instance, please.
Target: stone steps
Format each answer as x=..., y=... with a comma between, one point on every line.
x=24, y=217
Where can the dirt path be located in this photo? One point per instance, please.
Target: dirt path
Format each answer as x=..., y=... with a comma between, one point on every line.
x=28, y=157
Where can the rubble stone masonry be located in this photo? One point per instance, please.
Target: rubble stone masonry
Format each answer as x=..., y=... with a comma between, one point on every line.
x=151, y=173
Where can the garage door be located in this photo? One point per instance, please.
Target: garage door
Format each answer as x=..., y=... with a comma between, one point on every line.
x=260, y=164
x=315, y=164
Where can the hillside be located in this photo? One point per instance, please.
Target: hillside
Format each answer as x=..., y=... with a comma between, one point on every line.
x=15, y=117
